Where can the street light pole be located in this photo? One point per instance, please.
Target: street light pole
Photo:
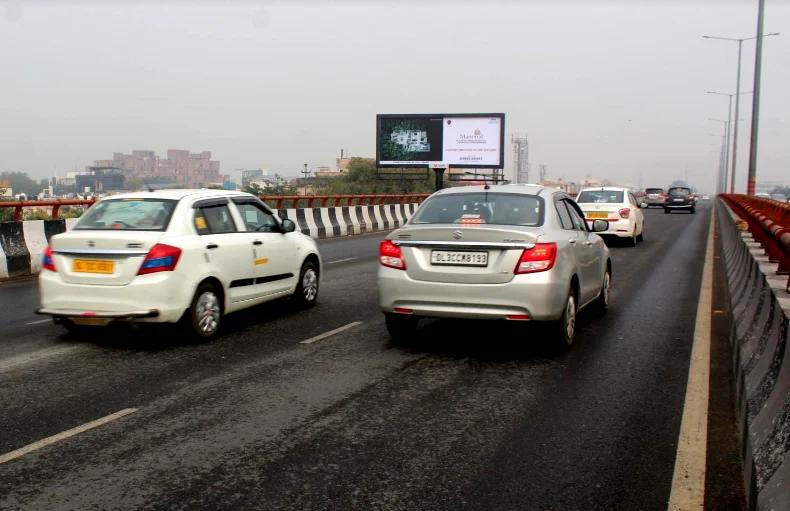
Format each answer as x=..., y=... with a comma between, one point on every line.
x=735, y=129
x=738, y=93
x=758, y=61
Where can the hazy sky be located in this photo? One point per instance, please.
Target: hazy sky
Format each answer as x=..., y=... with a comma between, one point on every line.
x=601, y=88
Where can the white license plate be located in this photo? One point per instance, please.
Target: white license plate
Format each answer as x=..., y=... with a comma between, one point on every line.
x=453, y=258
x=678, y=200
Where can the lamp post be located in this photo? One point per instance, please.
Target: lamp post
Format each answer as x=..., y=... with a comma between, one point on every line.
x=738, y=89
x=727, y=155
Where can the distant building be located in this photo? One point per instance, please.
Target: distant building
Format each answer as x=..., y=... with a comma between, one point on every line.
x=5, y=189
x=190, y=170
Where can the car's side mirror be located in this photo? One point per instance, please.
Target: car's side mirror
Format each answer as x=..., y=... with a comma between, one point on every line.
x=600, y=226
x=288, y=225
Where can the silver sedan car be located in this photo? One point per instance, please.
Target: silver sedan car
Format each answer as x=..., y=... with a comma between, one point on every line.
x=507, y=252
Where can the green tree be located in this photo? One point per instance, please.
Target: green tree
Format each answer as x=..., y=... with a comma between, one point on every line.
x=21, y=183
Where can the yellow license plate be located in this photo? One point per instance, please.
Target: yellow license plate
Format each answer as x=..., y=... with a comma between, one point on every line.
x=597, y=215
x=83, y=266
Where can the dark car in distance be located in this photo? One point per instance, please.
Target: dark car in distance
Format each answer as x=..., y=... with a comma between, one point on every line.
x=680, y=198
x=655, y=197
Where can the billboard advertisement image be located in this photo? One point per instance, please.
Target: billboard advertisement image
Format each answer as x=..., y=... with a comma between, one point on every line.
x=456, y=140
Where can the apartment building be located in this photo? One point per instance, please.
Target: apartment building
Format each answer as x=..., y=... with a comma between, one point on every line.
x=191, y=170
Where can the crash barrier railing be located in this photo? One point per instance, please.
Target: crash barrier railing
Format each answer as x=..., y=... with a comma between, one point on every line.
x=761, y=363
x=768, y=221
x=275, y=201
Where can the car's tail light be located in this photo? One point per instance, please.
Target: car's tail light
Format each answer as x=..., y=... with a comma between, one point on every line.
x=47, y=262
x=691, y=196
x=539, y=258
x=161, y=257
x=390, y=255
x=625, y=212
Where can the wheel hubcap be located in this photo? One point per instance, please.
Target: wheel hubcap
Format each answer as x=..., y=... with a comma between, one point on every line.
x=310, y=285
x=208, y=312
x=570, y=319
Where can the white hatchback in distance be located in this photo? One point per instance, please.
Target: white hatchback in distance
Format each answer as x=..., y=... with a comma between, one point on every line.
x=175, y=255
x=619, y=207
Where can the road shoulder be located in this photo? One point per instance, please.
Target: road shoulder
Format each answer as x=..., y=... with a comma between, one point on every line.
x=723, y=479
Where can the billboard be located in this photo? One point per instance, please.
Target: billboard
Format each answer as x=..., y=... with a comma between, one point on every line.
x=432, y=140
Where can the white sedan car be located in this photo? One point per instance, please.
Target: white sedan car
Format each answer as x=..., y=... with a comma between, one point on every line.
x=619, y=207
x=173, y=256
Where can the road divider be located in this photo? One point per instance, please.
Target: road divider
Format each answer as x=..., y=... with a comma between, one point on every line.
x=759, y=310
x=22, y=243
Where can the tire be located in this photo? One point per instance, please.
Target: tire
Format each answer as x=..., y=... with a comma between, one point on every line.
x=204, y=316
x=601, y=305
x=641, y=236
x=693, y=210
x=564, y=331
x=401, y=327
x=632, y=240
x=667, y=211
x=306, y=293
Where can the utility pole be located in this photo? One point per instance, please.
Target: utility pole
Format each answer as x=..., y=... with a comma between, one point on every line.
x=758, y=60
x=306, y=173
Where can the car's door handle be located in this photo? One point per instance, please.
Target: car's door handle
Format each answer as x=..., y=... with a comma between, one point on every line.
x=257, y=242
x=572, y=241
x=212, y=245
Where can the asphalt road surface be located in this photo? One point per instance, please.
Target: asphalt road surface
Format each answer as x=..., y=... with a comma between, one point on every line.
x=472, y=415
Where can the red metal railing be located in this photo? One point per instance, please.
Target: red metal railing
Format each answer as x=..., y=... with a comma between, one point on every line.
x=769, y=223
x=276, y=201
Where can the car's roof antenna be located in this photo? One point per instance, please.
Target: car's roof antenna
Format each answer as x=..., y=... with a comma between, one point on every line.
x=150, y=188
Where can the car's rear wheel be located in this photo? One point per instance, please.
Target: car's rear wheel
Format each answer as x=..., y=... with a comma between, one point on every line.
x=306, y=293
x=693, y=210
x=632, y=240
x=401, y=327
x=601, y=304
x=205, y=312
x=667, y=211
x=641, y=236
x=565, y=329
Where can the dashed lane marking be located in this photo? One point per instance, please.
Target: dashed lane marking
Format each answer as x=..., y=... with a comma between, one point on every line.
x=64, y=435
x=331, y=332
x=688, y=480
x=341, y=260
x=35, y=356
x=39, y=322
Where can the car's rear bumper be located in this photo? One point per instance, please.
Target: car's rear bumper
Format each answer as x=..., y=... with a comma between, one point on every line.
x=654, y=202
x=149, y=299
x=679, y=206
x=540, y=296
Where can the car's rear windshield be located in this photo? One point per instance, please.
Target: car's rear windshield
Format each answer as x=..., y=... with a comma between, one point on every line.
x=128, y=214
x=481, y=208
x=679, y=191
x=601, y=196
x=654, y=190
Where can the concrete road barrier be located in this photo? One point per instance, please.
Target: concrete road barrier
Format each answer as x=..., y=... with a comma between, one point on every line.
x=22, y=244
x=759, y=310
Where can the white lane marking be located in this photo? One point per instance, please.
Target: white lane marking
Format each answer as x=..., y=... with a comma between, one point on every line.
x=331, y=332
x=341, y=260
x=39, y=322
x=27, y=358
x=688, y=481
x=64, y=435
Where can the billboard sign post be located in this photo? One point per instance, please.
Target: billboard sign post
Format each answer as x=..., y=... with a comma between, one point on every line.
x=440, y=141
